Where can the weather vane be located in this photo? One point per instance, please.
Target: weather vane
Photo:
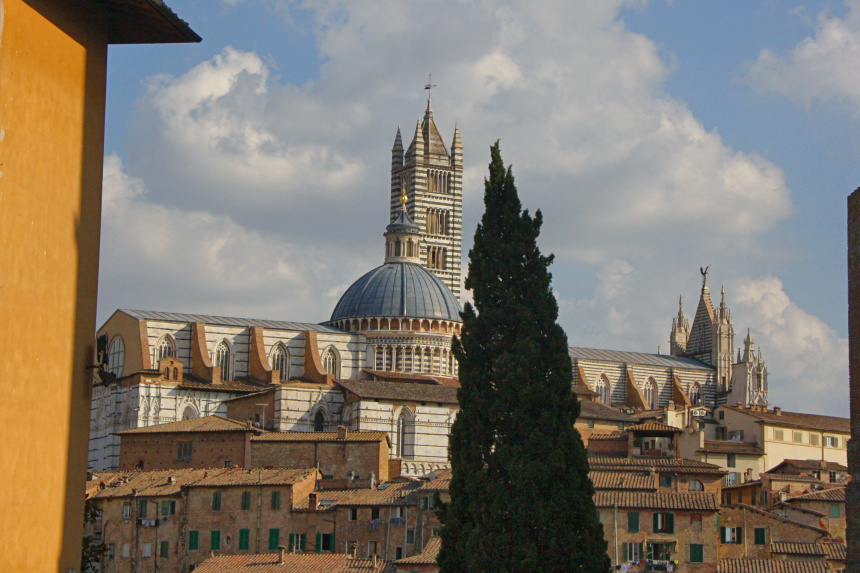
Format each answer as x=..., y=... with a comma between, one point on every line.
x=430, y=85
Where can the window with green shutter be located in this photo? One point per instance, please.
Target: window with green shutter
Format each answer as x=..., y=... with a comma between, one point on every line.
x=664, y=523
x=759, y=534
x=246, y=500
x=291, y=541
x=835, y=510
x=244, y=539
x=141, y=508
x=632, y=522
x=276, y=500
x=215, y=540
x=697, y=553
x=216, y=501
x=164, y=550
x=193, y=540
x=274, y=538
x=168, y=507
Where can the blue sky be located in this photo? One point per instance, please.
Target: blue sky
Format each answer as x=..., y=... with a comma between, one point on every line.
x=247, y=175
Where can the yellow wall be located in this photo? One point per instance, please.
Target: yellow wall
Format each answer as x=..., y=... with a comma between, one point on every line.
x=52, y=90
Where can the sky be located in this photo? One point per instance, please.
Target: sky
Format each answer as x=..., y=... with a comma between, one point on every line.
x=248, y=175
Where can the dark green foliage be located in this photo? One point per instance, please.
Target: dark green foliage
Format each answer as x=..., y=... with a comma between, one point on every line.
x=91, y=551
x=521, y=499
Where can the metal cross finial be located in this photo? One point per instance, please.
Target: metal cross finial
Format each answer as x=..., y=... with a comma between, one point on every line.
x=430, y=85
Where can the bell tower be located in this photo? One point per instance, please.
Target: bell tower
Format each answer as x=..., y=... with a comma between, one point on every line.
x=431, y=178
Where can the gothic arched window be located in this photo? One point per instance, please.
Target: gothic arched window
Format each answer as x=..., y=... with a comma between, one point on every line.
x=223, y=359
x=404, y=436
x=116, y=356
x=696, y=394
x=329, y=361
x=650, y=394
x=165, y=348
x=280, y=360
x=319, y=422
x=189, y=413
x=603, y=389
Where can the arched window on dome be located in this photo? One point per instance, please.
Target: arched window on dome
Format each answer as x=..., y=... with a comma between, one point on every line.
x=223, y=359
x=319, y=422
x=696, y=394
x=603, y=389
x=165, y=348
x=116, y=356
x=405, y=431
x=650, y=391
x=330, y=361
x=280, y=360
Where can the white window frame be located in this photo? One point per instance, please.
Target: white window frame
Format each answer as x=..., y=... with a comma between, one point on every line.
x=633, y=553
x=116, y=356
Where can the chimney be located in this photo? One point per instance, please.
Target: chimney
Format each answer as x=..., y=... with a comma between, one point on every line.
x=341, y=432
x=372, y=480
x=250, y=424
x=777, y=410
x=282, y=551
x=312, y=500
x=740, y=405
x=374, y=560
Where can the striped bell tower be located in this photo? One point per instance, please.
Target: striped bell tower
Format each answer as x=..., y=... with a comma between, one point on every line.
x=431, y=177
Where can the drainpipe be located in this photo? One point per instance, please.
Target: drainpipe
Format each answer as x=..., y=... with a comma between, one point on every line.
x=388, y=533
x=615, y=523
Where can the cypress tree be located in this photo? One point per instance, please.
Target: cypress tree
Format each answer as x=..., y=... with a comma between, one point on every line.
x=521, y=498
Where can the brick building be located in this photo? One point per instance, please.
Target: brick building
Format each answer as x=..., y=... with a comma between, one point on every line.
x=293, y=563
x=209, y=442
x=170, y=520
x=748, y=532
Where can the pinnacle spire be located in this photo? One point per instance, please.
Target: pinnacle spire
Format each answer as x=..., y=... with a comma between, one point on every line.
x=398, y=141
x=456, y=144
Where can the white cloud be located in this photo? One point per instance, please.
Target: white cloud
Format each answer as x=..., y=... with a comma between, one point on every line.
x=267, y=199
x=821, y=67
x=807, y=360
x=164, y=258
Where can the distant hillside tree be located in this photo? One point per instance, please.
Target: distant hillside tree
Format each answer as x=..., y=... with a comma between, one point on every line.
x=521, y=498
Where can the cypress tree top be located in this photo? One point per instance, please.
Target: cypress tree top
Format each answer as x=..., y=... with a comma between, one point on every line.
x=521, y=499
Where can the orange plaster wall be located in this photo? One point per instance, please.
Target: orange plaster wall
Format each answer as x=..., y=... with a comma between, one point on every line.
x=52, y=94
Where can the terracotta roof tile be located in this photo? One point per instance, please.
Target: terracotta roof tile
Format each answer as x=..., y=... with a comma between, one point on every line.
x=623, y=480
x=427, y=556
x=204, y=424
x=835, y=551
x=600, y=411
x=407, y=391
x=620, y=463
x=810, y=465
x=158, y=483
x=320, y=437
x=789, y=477
x=771, y=566
x=798, y=420
x=771, y=515
x=652, y=500
x=617, y=435
x=293, y=563
x=730, y=447
x=834, y=494
x=797, y=548
x=390, y=493
x=426, y=378
x=654, y=427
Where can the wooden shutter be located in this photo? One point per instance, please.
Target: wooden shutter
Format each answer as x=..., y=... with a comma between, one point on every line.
x=740, y=538
x=292, y=541
x=244, y=538
x=670, y=523
x=276, y=500
x=722, y=534
x=215, y=540
x=632, y=522
x=624, y=555
x=193, y=540
x=318, y=545
x=656, y=526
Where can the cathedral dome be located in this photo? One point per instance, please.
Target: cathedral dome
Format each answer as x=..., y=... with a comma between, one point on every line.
x=398, y=289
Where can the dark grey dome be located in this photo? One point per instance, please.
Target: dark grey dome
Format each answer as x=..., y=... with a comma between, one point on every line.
x=398, y=289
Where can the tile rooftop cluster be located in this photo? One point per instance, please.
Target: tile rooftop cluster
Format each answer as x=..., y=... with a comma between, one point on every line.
x=294, y=563
x=797, y=419
x=771, y=566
